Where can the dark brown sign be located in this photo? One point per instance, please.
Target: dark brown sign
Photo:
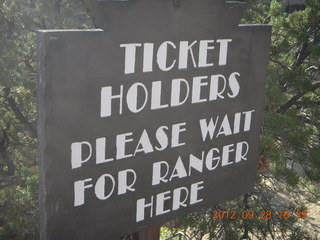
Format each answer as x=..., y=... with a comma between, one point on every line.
x=155, y=116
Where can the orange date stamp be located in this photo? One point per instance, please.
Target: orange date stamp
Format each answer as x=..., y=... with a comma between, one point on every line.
x=286, y=214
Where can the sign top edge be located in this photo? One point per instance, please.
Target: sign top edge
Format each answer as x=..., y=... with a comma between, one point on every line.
x=256, y=25
x=71, y=30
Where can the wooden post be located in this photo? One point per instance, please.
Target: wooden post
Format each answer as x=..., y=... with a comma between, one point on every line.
x=149, y=233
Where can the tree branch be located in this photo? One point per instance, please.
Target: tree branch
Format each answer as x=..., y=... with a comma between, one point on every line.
x=301, y=54
x=295, y=98
x=6, y=161
x=86, y=6
x=17, y=112
x=10, y=181
x=279, y=63
x=304, y=49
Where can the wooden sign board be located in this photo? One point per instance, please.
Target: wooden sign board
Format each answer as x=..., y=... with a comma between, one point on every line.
x=156, y=116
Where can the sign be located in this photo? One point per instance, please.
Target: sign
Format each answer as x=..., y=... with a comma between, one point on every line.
x=153, y=117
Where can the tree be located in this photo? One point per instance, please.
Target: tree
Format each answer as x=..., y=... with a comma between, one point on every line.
x=19, y=20
x=290, y=134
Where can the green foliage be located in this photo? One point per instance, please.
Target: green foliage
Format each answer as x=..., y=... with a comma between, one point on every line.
x=19, y=20
x=9, y=231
